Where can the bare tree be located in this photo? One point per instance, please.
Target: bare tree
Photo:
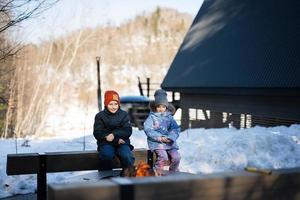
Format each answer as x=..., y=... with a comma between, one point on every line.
x=12, y=14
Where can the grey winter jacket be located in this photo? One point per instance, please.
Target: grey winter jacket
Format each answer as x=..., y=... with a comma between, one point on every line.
x=161, y=124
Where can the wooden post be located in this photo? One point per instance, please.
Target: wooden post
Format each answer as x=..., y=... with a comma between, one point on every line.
x=140, y=87
x=42, y=178
x=185, y=117
x=148, y=87
x=173, y=97
x=99, y=84
x=150, y=158
x=127, y=192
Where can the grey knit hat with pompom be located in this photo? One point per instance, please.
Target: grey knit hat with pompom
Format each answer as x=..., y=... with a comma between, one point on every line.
x=160, y=98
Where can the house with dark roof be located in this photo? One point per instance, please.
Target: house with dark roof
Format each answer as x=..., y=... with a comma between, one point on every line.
x=239, y=63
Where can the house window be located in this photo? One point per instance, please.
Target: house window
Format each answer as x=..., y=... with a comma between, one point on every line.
x=193, y=113
x=198, y=114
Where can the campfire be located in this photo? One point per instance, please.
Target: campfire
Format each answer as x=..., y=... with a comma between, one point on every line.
x=143, y=169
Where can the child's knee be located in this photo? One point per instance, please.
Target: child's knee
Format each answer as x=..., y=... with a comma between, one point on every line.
x=176, y=158
x=126, y=157
x=163, y=157
x=105, y=155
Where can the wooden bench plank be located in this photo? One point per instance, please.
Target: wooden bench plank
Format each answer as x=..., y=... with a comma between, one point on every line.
x=80, y=161
x=28, y=163
x=72, y=161
x=103, y=189
x=210, y=187
x=282, y=184
x=22, y=163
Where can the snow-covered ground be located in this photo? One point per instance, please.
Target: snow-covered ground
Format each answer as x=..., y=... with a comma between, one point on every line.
x=202, y=151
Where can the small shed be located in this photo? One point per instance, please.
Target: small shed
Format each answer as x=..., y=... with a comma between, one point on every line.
x=239, y=65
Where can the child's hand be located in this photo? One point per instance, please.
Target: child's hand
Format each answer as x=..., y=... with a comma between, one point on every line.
x=110, y=137
x=165, y=140
x=121, y=141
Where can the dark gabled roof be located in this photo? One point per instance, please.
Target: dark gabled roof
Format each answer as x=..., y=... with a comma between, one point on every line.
x=239, y=44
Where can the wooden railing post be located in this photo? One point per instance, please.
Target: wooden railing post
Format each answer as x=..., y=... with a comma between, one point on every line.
x=42, y=178
x=150, y=158
x=148, y=87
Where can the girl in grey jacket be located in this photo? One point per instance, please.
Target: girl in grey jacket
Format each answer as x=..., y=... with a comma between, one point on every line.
x=162, y=132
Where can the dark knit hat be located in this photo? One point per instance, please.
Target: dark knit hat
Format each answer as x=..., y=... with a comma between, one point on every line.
x=160, y=97
x=111, y=95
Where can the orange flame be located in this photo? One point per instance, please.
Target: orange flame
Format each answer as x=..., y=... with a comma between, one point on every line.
x=143, y=169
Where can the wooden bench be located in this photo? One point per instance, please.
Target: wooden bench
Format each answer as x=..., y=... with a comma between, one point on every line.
x=43, y=163
x=282, y=184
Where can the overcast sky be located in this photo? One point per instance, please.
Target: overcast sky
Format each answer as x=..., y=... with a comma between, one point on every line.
x=69, y=15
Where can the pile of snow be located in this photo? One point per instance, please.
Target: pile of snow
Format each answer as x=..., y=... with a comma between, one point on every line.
x=202, y=151
x=219, y=150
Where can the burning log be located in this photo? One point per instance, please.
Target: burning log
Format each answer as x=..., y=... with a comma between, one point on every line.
x=143, y=169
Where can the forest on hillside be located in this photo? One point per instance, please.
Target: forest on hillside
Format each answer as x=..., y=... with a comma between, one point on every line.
x=61, y=73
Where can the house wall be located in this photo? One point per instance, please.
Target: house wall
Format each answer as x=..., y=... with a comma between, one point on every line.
x=265, y=110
